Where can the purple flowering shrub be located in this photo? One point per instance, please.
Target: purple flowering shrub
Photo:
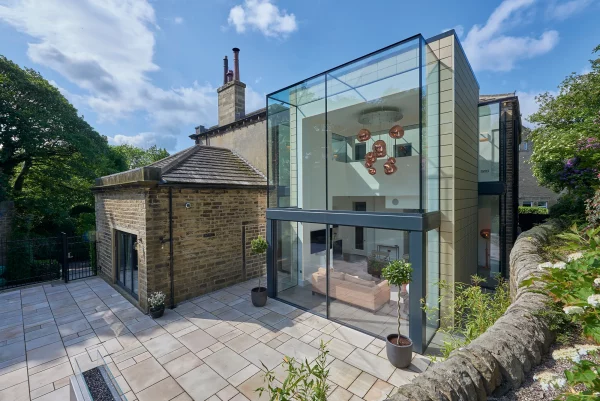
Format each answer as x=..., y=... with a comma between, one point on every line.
x=580, y=173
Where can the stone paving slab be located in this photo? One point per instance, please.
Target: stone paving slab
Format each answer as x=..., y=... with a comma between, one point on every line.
x=212, y=347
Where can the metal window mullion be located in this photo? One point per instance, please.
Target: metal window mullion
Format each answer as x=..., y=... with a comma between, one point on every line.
x=418, y=290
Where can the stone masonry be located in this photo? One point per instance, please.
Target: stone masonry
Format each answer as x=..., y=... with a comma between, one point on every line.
x=496, y=361
x=232, y=102
x=208, y=252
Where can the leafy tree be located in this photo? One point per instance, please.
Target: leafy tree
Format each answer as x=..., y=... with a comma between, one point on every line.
x=566, y=151
x=49, y=155
x=138, y=157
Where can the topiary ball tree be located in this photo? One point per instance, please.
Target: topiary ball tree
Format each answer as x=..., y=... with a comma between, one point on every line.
x=398, y=272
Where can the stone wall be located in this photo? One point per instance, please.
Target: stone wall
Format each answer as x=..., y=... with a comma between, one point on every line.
x=123, y=210
x=208, y=247
x=497, y=361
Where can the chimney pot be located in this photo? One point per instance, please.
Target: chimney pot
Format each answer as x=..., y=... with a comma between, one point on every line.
x=236, y=63
x=225, y=69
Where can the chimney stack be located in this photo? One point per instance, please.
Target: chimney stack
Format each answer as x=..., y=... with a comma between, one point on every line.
x=236, y=63
x=232, y=95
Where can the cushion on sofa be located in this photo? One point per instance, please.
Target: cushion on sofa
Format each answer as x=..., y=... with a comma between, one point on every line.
x=359, y=281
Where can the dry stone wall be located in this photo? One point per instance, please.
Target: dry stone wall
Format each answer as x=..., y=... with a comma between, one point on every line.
x=498, y=360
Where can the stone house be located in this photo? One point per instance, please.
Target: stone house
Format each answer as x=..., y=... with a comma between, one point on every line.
x=531, y=193
x=182, y=225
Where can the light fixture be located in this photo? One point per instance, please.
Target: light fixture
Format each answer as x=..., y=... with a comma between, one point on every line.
x=396, y=132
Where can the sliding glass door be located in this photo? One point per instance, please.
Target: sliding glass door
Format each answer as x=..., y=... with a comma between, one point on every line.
x=127, y=262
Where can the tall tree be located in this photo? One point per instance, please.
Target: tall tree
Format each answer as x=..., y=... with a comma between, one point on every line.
x=137, y=157
x=566, y=151
x=49, y=155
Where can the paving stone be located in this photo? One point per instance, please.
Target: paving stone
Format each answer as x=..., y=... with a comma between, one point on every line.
x=262, y=354
x=241, y=343
x=342, y=373
x=172, y=355
x=298, y=350
x=202, y=382
x=163, y=390
x=226, y=362
x=61, y=394
x=292, y=328
x=340, y=394
x=227, y=393
x=15, y=377
x=45, y=354
x=182, y=364
x=12, y=351
x=362, y=384
x=351, y=336
x=373, y=364
x=204, y=320
x=73, y=327
x=144, y=374
x=248, y=388
x=50, y=375
x=380, y=391
x=41, y=341
x=243, y=375
x=197, y=340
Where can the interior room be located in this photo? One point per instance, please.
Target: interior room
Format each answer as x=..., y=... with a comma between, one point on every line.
x=351, y=140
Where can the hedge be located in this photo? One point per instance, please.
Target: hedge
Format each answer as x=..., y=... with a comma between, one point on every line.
x=533, y=210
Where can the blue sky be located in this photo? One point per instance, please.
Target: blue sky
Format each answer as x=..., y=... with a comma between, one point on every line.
x=146, y=71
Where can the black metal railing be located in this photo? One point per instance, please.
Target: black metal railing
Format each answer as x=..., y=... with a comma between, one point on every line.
x=36, y=260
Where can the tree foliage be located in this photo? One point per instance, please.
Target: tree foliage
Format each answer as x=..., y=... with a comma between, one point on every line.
x=137, y=157
x=49, y=155
x=566, y=151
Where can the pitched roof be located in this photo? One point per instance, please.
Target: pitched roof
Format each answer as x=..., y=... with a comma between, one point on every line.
x=498, y=96
x=197, y=165
x=208, y=165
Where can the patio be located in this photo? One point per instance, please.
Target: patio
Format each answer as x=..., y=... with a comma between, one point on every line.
x=211, y=347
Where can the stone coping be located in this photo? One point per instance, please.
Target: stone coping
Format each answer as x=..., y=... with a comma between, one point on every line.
x=498, y=360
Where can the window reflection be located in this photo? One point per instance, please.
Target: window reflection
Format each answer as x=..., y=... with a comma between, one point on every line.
x=489, y=142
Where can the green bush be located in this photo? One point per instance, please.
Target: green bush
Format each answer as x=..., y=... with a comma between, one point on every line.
x=574, y=286
x=592, y=209
x=569, y=207
x=533, y=210
x=259, y=245
x=474, y=310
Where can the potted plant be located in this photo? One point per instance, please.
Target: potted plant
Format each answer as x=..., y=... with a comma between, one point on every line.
x=157, y=304
x=259, y=294
x=398, y=347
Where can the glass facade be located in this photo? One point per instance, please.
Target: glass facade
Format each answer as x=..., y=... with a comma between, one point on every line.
x=366, y=131
x=354, y=181
x=489, y=143
x=489, y=238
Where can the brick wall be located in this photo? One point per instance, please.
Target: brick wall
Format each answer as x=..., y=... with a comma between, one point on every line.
x=207, y=239
x=507, y=118
x=123, y=210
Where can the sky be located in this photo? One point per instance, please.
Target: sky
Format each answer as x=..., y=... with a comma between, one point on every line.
x=145, y=72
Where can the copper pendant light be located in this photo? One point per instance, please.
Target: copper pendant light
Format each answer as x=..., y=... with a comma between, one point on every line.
x=379, y=148
x=372, y=171
x=370, y=157
x=392, y=160
x=368, y=164
x=397, y=132
x=364, y=135
x=389, y=168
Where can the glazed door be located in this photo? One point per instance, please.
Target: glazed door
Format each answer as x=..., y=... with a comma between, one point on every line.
x=127, y=262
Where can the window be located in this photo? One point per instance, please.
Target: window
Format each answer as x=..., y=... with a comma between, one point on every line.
x=527, y=203
x=543, y=204
x=488, y=237
x=127, y=262
x=489, y=143
x=360, y=151
x=403, y=150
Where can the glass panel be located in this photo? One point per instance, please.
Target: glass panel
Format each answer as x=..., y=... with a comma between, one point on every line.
x=371, y=96
x=121, y=255
x=488, y=249
x=489, y=142
x=359, y=297
x=297, y=146
x=128, y=261
x=433, y=279
x=431, y=130
x=300, y=260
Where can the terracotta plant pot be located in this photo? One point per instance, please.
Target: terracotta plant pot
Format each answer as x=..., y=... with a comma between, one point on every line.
x=399, y=355
x=158, y=312
x=259, y=296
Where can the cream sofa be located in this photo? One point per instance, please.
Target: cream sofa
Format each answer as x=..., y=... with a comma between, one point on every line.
x=361, y=292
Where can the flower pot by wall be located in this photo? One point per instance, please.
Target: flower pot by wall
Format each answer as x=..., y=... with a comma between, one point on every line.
x=158, y=312
x=259, y=296
x=399, y=355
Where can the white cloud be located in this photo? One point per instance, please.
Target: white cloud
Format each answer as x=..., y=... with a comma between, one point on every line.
x=178, y=20
x=264, y=16
x=489, y=48
x=106, y=47
x=145, y=140
x=563, y=10
x=254, y=100
x=528, y=104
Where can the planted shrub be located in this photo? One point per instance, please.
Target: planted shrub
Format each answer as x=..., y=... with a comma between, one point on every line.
x=533, y=210
x=304, y=382
x=574, y=286
x=474, y=309
x=592, y=209
x=398, y=272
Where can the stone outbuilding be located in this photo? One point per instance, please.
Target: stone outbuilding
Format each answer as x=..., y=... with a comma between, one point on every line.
x=182, y=225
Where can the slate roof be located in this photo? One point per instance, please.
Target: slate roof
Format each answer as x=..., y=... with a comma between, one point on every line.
x=498, y=96
x=198, y=165
x=208, y=165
